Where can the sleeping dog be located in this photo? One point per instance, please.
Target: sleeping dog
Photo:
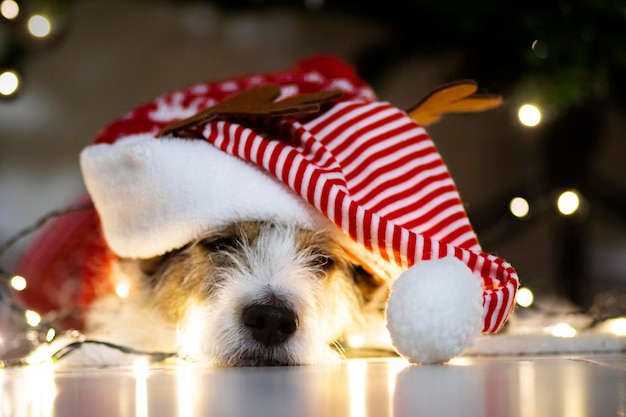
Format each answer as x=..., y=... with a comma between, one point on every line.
x=223, y=257
x=254, y=292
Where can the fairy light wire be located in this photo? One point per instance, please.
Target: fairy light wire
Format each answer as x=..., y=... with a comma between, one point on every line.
x=74, y=346
x=38, y=224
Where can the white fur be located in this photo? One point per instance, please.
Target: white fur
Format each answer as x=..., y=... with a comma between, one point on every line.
x=274, y=268
x=212, y=329
x=435, y=310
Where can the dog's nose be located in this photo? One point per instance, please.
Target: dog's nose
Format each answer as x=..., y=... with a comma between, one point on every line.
x=270, y=324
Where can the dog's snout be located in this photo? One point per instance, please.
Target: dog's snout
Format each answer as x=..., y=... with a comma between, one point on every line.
x=270, y=324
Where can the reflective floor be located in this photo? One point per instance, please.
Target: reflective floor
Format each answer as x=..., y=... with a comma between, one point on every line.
x=569, y=386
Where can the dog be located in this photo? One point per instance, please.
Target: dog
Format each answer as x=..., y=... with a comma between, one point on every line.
x=250, y=293
x=258, y=291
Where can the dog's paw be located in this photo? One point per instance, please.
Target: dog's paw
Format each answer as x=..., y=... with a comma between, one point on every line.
x=70, y=353
x=95, y=355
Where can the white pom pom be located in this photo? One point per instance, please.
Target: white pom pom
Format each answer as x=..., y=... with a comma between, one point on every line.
x=435, y=310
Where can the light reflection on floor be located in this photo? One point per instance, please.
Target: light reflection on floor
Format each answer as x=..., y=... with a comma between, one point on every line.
x=569, y=386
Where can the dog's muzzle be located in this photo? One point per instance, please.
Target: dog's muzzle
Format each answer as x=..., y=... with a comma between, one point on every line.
x=270, y=324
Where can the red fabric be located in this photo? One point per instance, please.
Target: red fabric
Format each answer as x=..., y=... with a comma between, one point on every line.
x=66, y=267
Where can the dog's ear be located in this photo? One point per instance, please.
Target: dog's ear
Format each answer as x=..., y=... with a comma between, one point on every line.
x=367, y=284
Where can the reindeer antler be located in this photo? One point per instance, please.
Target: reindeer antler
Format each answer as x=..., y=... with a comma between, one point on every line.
x=256, y=102
x=457, y=97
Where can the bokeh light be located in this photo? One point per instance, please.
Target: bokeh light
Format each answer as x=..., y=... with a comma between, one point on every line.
x=519, y=207
x=563, y=330
x=617, y=326
x=568, y=202
x=50, y=335
x=39, y=26
x=32, y=318
x=9, y=82
x=141, y=368
x=18, y=283
x=529, y=115
x=9, y=9
x=524, y=297
x=122, y=289
x=356, y=341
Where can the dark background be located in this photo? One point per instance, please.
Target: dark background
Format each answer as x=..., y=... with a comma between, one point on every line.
x=104, y=57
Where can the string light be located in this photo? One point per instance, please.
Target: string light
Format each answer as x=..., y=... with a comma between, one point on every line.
x=18, y=283
x=618, y=326
x=356, y=341
x=39, y=26
x=9, y=9
x=529, y=115
x=32, y=318
x=50, y=335
x=140, y=368
x=460, y=361
x=9, y=82
x=524, y=297
x=563, y=330
x=122, y=289
x=568, y=202
x=519, y=207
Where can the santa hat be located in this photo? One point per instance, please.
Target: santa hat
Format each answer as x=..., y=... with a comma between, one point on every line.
x=289, y=146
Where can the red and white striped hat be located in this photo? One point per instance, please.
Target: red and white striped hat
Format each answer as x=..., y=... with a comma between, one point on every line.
x=362, y=164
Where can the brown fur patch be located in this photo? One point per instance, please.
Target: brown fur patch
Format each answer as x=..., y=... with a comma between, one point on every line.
x=189, y=275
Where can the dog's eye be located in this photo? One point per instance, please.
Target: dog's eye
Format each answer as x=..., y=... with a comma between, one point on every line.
x=219, y=243
x=322, y=261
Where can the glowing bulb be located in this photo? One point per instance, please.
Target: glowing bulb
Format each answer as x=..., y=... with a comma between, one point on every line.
x=9, y=82
x=32, y=318
x=18, y=283
x=189, y=337
x=9, y=9
x=524, y=297
x=529, y=115
x=618, y=326
x=519, y=207
x=563, y=330
x=460, y=361
x=140, y=368
x=40, y=356
x=39, y=26
x=356, y=341
x=122, y=289
x=568, y=202
x=73, y=333
x=50, y=335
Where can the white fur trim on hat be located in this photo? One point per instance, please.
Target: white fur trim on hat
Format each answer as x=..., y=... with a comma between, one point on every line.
x=156, y=195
